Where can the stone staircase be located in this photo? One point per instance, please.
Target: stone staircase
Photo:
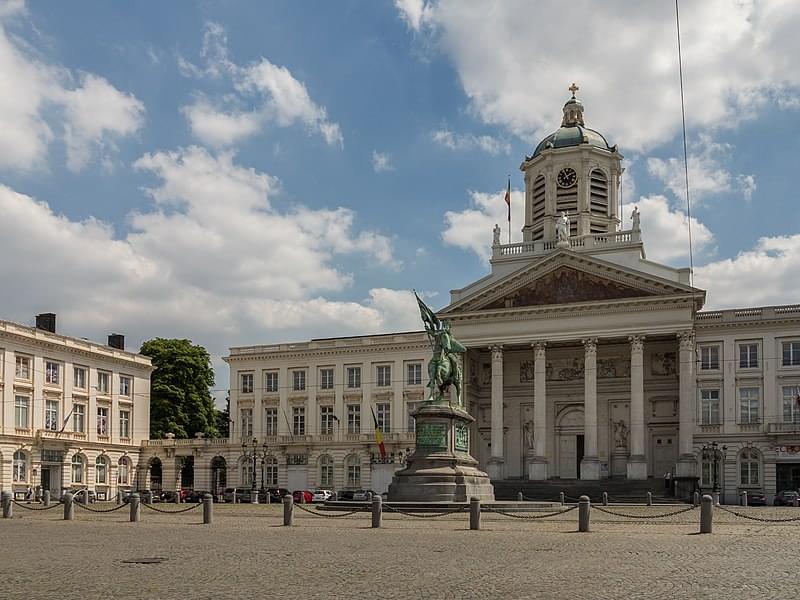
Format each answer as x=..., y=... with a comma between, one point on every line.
x=619, y=490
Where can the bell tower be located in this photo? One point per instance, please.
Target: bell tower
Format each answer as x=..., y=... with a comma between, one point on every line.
x=574, y=171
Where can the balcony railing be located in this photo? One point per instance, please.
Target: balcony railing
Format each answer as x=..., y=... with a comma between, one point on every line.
x=587, y=242
x=404, y=437
x=784, y=428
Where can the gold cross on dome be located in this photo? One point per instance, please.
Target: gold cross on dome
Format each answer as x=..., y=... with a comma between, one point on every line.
x=573, y=88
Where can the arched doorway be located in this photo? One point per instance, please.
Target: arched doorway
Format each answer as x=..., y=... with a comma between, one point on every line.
x=569, y=442
x=219, y=475
x=187, y=473
x=155, y=474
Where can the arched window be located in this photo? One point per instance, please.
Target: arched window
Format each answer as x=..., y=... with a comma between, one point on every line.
x=124, y=471
x=77, y=468
x=271, y=471
x=326, y=471
x=749, y=467
x=101, y=470
x=20, y=466
x=247, y=473
x=352, y=467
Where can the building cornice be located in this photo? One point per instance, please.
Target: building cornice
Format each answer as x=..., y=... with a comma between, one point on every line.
x=316, y=353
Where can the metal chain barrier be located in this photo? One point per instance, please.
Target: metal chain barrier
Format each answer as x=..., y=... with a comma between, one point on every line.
x=320, y=514
x=27, y=507
x=171, y=512
x=628, y=516
x=425, y=516
x=99, y=510
x=528, y=517
x=761, y=519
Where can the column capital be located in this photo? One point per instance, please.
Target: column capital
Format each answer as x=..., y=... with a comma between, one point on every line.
x=590, y=345
x=637, y=342
x=539, y=349
x=497, y=351
x=686, y=339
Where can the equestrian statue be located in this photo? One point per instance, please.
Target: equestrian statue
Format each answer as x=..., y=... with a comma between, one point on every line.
x=444, y=368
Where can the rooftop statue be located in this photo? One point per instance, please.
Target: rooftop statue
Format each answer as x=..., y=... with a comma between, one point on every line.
x=444, y=368
x=562, y=228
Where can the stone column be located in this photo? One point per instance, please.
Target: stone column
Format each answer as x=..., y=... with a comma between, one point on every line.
x=637, y=462
x=496, y=465
x=537, y=468
x=590, y=465
x=686, y=466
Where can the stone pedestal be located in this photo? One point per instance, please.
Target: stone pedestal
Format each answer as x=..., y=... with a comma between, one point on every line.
x=537, y=468
x=441, y=468
x=590, y=469
x=619, y=463
x=637, y=467
x=686, y=466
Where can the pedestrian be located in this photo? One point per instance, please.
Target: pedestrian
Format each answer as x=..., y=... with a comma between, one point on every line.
x=29, y=494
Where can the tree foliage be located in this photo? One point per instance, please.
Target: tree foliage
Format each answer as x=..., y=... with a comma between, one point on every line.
x=180, y=400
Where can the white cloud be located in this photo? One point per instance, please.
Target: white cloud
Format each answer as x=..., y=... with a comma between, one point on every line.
x=381, y=162
x=10, y=8
x=471, y=228
x=515, y=61
x=455, y=141
x=273, y=96
x=665, y=232
x=747, y=184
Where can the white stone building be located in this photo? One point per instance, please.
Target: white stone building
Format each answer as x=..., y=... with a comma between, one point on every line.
x=74, y=412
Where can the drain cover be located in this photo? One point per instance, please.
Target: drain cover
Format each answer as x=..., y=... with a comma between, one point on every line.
x=153, y=560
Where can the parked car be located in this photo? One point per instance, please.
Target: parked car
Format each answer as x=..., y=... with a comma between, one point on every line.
x=277, y=494
x=786, y=498
x=198, y=495
x=308, y=497
x=756, y=499
x=322, y=495
x=345, y=495
x=363, y=495
x=146, y=496
x=78, y=494
x=241, y=494
x=169, y=495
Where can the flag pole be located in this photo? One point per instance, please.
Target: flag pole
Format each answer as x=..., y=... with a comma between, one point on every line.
x=508, y=200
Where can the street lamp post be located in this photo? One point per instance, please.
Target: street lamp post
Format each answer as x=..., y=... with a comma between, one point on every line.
x=713, y=455
x=254, y=453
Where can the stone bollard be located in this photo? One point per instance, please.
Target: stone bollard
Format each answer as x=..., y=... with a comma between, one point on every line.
x=377, y=511
x=795, y=502
x=520, y=497
x=696, y=499
x=706, y=513
x=474, y=513
x=253, y=496
x=584, y=510
x=69, y=507
x=177, y=499
x=744, y=498
x=649, y=498
x=288, y=510
x=234, y=496
x=302, y=497
x=8, y=505
x=715, y=498
x=208, y=509
x=561, y=498
x=334, y=497
x=605, y=498
x=119, y=498
x=46, y=497
x=136, y=509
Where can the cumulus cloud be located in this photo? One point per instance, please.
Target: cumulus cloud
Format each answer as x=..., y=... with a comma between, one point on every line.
x=738, y=58
x=456, y=141
x=263, y=94
x=471, y=228
x=381, y=162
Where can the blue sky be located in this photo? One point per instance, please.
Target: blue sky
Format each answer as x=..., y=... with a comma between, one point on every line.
x=244, y=172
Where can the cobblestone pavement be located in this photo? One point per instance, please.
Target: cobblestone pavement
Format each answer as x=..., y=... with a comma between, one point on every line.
x=247, y=553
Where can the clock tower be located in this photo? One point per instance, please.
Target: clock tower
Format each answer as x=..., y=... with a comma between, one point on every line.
x=574, y=171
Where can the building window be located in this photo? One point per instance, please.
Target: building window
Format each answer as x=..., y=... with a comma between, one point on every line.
x=326, y=471
x=124, y=423
x=123, y=471
x=353, y=468
x=411, y=422
x=20, y=466
x=21, y=406
x=23, y=368
x=384, y=375
x=79, y=418
x=248, y=473
x=749, y=467
x=354, y=377
x=101, y=470
x=748, y=356
x=709, y=407
x=749, y=404
x=77, y=469
x=271, y=382
x=298, y=381
x=271, y=421
x=51, y=415
x=103, y=382
x=326, y=379
x=791, y=404
x=79, y=378
x=791, y=354
x=247, y=423
x=299, y=420
x=271, y=471
x=52, y=372
x=326, y=418
x=706, y=473
x=709, y=358
x=247, y=383
x=414, y=374
x=124, y=385
x=353, y=418
x=102, y=420
x=383, y=413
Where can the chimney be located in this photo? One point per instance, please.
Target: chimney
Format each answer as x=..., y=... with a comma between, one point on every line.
x=46, y=322
x=115, y=340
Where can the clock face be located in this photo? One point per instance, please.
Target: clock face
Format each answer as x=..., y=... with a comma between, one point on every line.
x=567, y=177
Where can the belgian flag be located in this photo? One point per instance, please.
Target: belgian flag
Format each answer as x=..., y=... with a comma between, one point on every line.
x=378, y=434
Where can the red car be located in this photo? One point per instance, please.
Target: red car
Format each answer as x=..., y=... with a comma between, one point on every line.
x=308, y=497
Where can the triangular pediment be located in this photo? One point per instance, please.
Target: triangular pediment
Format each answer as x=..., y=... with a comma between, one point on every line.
x=567, y=278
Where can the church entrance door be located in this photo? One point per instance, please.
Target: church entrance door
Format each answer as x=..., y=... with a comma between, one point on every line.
x=664, y=454
x=569, y=442
x=567, y=457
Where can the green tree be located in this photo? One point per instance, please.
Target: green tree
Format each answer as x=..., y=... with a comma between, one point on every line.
x=224, y=418
x=180, y=400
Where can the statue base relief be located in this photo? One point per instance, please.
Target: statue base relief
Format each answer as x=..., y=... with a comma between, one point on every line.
x=441, y=468
x=637, y=467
